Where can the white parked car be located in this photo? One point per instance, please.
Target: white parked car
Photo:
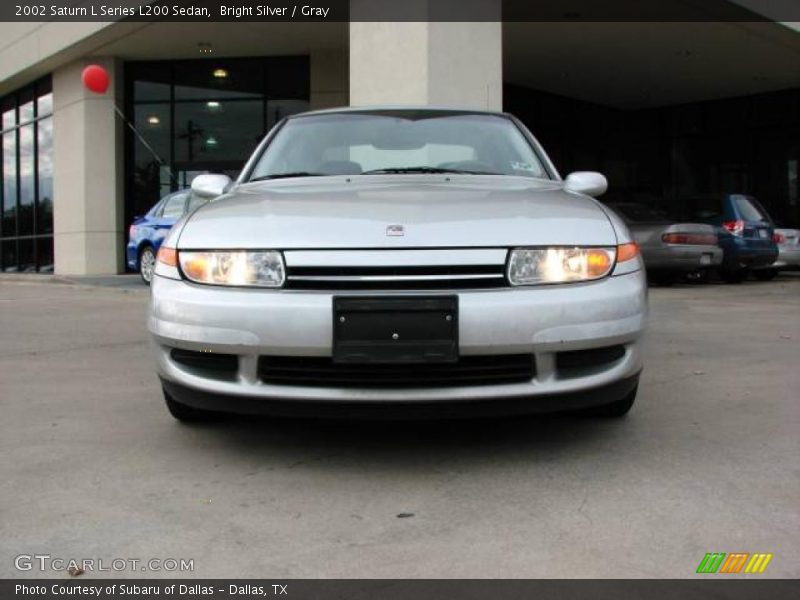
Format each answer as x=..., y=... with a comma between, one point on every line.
x=426, y=260
x=788, y=242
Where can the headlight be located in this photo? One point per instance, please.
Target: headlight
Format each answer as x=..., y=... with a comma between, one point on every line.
x=234, y=268
x=531, y=266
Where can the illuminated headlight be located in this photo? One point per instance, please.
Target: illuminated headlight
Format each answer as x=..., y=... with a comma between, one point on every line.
x=234, y=268
x=531, y=266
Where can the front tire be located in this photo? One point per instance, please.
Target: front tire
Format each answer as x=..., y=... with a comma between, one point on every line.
x=699, y=276
x=147, y=264
x=765, y=274
x=185, y=413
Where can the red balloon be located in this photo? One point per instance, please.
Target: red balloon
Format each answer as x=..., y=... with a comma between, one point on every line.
x=95, y=79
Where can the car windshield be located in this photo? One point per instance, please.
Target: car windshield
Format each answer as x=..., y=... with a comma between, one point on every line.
x=400, y=141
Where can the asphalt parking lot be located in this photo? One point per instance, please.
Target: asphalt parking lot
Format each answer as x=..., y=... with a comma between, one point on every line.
x=94, y=467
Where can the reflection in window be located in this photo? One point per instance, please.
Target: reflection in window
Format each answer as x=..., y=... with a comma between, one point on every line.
x=217, y=131
x=27, y=181
x=173, y=207
x=26, y=112
x=44, y=254
x=202, y=116
x=9, y=113
x=9, y=226
x=220, y=79
x=45, y=154
x=26, y=228
x=44, y=105
x=150, y=179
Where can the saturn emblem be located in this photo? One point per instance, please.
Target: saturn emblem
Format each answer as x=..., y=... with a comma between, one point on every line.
x=395, y=230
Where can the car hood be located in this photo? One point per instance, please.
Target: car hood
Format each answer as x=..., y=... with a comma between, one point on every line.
x=433, y=210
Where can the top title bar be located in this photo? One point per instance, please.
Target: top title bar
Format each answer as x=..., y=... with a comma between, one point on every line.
x=396, y=10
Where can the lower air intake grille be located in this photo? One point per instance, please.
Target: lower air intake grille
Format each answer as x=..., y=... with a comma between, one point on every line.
x=576, y=360
x=207, y=361
x=468, y=371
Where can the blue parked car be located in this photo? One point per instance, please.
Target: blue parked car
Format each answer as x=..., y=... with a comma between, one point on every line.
x=745, y=232
x=147, y=232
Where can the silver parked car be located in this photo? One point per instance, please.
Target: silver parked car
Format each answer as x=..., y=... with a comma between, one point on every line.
x=788, y=242
x=427, y=260
x=670, y=248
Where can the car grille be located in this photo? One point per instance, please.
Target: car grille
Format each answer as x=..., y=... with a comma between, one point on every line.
x=395, y=278
x=388, y=269
x=574, y=362
x=468, y=371
x=206, y=361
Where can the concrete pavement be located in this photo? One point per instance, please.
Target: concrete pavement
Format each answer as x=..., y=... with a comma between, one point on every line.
x=94, y=467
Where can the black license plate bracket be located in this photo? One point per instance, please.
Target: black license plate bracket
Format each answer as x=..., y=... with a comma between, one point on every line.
x=395, y=329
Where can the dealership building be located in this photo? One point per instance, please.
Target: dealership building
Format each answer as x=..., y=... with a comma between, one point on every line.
x=666, y=110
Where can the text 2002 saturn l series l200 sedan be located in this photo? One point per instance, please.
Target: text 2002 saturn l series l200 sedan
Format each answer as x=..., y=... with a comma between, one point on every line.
x=427, y=260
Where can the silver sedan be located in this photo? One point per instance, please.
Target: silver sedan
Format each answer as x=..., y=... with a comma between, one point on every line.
x=671, y=248
x=399, y=261
x=788, y=242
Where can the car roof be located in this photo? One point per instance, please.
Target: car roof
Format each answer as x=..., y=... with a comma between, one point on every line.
x=399, y=107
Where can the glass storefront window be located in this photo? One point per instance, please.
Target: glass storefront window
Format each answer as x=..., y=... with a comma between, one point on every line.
x=9, y=108
x=219, y=79
x=26, y=228
x=27, y=180
x=150, y=178
x=44, y=104
x=277, y=109
x=200, y=116
x=217, y=132
x=9, y=225
x=44, y=217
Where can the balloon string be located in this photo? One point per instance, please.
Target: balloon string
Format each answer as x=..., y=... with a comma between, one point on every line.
x=144, y=143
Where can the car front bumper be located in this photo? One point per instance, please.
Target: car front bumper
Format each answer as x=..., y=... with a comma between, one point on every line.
x=541, y=321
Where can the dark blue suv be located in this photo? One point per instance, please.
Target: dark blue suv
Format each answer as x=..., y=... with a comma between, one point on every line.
x=147, y=232
x=745, y=232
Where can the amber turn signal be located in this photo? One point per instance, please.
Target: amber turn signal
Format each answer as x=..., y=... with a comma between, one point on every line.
x=168, y=256
x=627, y=251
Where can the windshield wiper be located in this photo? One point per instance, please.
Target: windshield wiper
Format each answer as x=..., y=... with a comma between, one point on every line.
x=422, y=169
x=285, y=176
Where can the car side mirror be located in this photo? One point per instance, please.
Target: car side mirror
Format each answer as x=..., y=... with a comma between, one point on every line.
x=590, y=183
x=210, y=185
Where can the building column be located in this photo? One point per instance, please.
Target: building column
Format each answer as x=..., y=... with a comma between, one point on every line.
x=456, y=64
x=88, y=192
x=328, y=77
